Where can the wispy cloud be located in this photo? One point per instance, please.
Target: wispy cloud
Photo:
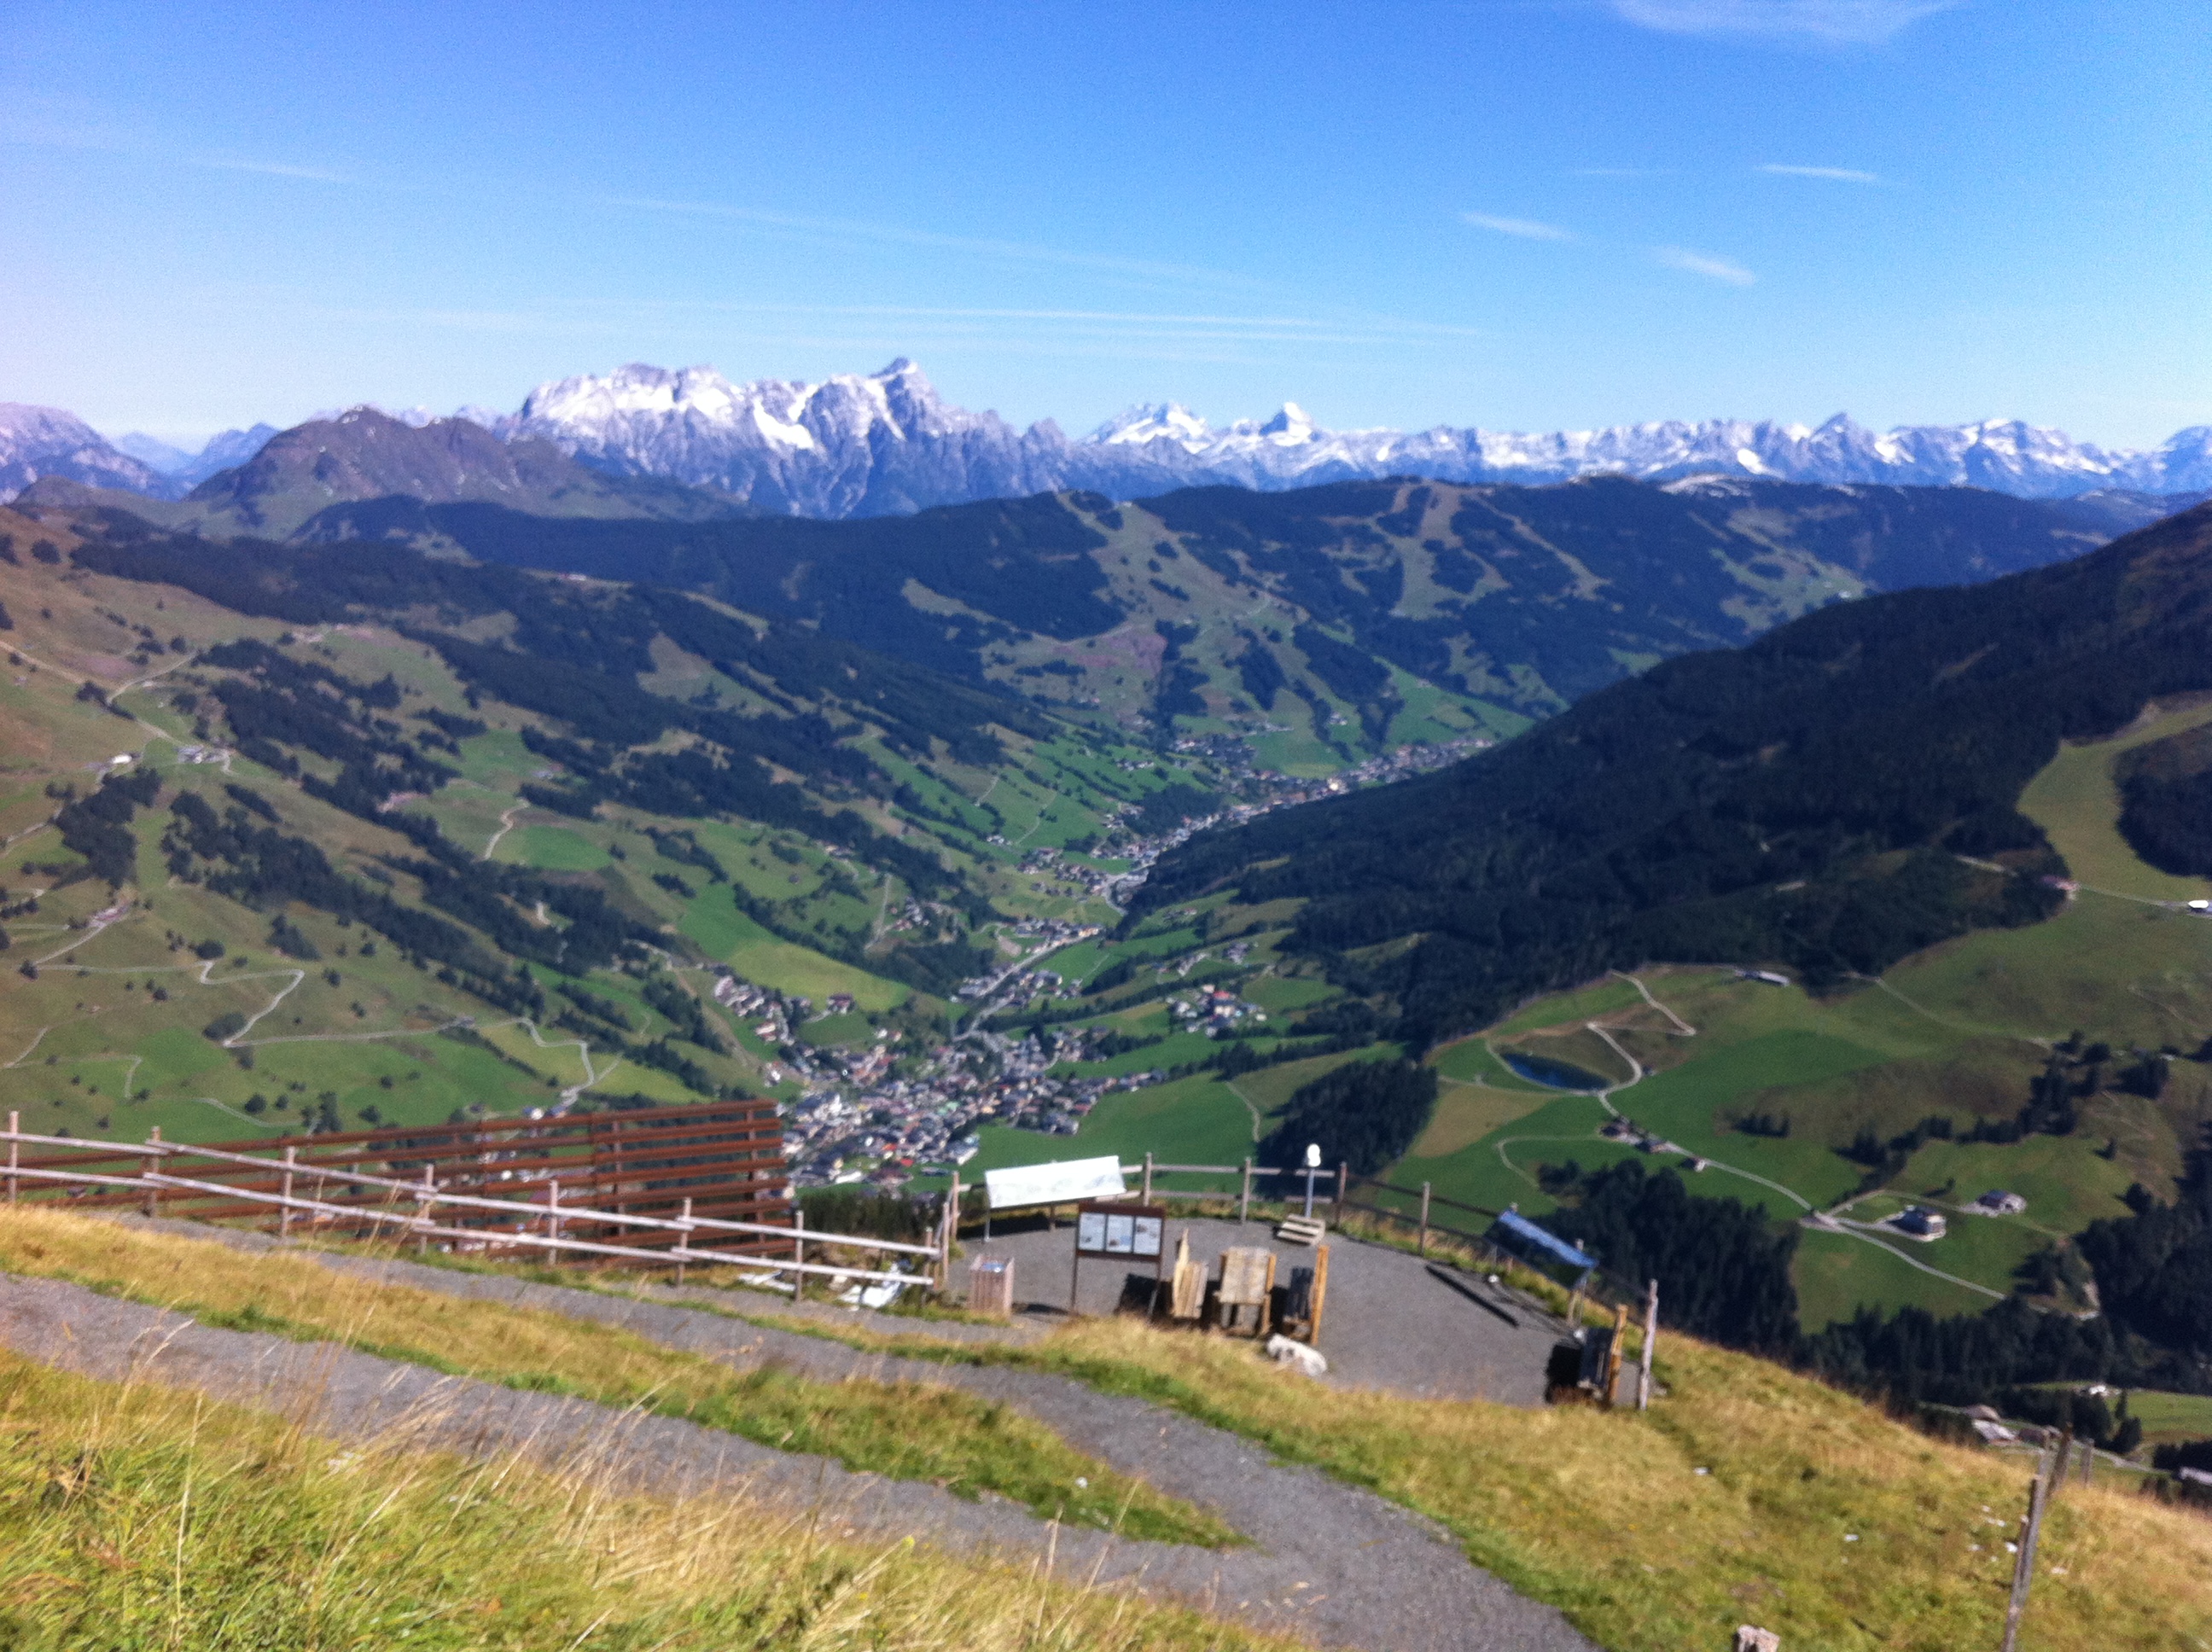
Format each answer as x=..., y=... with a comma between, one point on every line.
x=72, y=124
x=850, y=231
x=267, y=168
x=707, y=325
x=1703, y=263
x=1832, y=22
x=1527, y=228
x=1833, y=175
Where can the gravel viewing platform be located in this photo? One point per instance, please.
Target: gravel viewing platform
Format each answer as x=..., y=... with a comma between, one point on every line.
x=1332, y=1563
x=1390, y=1321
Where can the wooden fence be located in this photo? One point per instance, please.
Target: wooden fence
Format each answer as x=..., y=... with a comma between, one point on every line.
x=631, y=1187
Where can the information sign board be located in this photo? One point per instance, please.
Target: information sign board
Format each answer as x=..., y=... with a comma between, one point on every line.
x=1120, y=1231
x=1061, y=1182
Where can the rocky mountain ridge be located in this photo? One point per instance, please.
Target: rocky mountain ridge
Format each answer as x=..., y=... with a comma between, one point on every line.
x=886, y=443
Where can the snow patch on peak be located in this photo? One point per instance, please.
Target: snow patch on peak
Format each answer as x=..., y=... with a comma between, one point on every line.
x=1156, y=421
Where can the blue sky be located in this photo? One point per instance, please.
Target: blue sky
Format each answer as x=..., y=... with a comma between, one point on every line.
x=1521, y=214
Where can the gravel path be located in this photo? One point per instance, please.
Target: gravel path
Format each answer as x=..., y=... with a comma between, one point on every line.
x=1335, y=1563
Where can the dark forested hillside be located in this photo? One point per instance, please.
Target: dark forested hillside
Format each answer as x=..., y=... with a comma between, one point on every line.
x=1323, y=624
x=1834, y=796
x=574, y=654
x=2165, y=798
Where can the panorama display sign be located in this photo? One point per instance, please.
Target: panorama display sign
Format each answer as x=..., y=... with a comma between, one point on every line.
x=1065, y=1181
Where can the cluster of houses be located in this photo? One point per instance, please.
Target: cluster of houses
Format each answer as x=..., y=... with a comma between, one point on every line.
x=881, y=1129
x=1215, y=1011
x=1051, y=872
x=771, y=1012
x=1919, y=1222
x=1015, y=987
x=1644, y=1141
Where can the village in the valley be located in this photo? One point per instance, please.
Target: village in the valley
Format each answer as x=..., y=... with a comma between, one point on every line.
x=884, y=1111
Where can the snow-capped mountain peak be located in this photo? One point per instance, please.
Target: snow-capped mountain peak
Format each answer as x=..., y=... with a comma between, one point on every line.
x=861, y=444
x=41, y=441
x=1155, y=422
x=884, y=442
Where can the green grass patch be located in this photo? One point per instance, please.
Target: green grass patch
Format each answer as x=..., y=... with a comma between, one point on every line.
x=2077, y=804
x=906, y=1431
x=725, y=933
x=1836, y=1275
x=1584, y=1004
x=552, y=848
x=1472, y=1061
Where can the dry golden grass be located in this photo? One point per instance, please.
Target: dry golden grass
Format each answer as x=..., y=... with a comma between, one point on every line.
x=1817, y=1516
x=908, y=1431
x=134, y=1516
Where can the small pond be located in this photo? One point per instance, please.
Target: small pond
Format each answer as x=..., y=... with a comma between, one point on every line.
x=1553, y=1075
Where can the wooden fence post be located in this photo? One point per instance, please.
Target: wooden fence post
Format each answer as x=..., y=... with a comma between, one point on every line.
x=425, y=1208
x=948, y=1229
x=1424, y=1218
x=2023, y=1570
x=1244, y=1199
x=799, y=1248
x=683, y=1241
x=14, y=1151
x=1146, y=1196
x=152, y=1163
x=1320, y=1295
x=1343, y=1175
x=2063, y=1461
x=1650, y=1341
x=1613, y=1357
x=285, y=1192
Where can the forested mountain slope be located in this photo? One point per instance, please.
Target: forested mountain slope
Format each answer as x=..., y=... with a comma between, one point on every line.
x=288, y=830
x=1834, y=796
x=1321, y=626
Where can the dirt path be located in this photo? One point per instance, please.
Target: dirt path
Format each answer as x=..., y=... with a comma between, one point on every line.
x=1332, y=1562
x=1680, y=1026
x=1257, y=1121
x=506, y=825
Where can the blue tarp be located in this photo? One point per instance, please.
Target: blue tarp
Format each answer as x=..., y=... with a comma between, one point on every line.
x=1522, y=1228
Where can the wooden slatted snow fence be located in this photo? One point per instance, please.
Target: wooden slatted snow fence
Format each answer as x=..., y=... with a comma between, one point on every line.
x=639, y=1186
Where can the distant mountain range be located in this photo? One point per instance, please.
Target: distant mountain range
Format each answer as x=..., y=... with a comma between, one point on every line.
x=1325, y=625
x=871, y=445
x=886, y=443
x=296, y=475
x=183, y=472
